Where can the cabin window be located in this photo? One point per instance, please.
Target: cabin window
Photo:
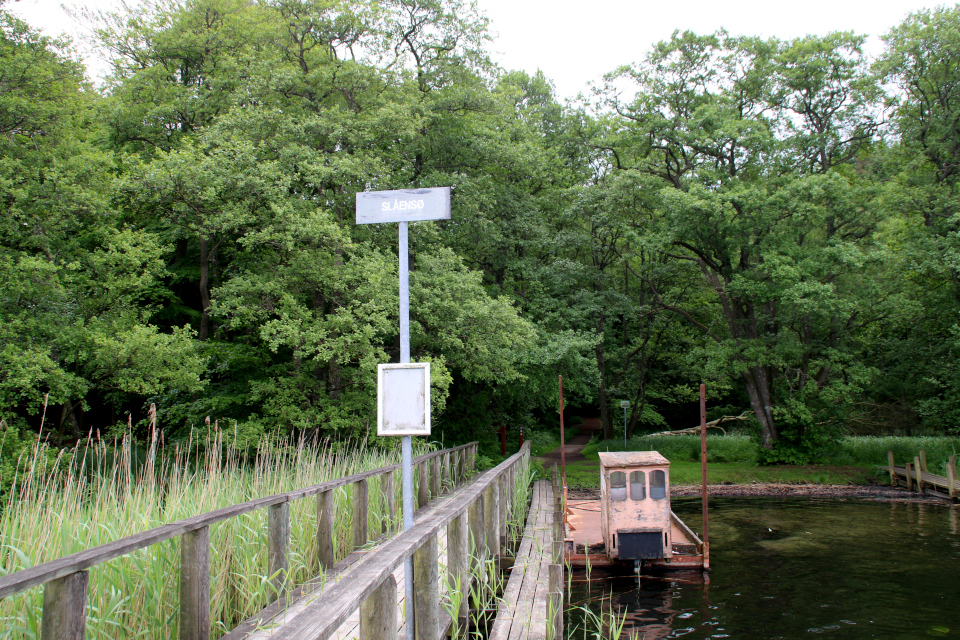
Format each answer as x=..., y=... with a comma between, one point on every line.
x=658, y=484
x=638, y=485
x=618, y=486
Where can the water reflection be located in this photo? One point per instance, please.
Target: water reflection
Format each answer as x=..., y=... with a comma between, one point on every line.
x=794, y=569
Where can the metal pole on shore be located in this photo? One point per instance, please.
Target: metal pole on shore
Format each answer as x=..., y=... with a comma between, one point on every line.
x=703, y=467
x=406, y=452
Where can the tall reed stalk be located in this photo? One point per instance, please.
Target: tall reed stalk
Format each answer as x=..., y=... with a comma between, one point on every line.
x=97, y=493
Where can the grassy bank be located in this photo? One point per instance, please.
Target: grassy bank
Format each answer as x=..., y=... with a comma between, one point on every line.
x=733, y=459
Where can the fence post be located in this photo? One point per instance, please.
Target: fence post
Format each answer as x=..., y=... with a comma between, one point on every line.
x=278, y=543
x=461, y=465
x=458, y=550
x=361, y=508
x=472, y=459
x=195, y=584
x=447, y=478
x=65, y=608
x=426, y=591
x=435, y=476
x=908, y=469
x=952, y=474
x=491, y=512
x=423, y=485
x=890, y=465
x=502, y=514
x=378, y=613
x=390, y=499
x=325, y=547
x=919, y=471
x=923, y=461
x=479, y=551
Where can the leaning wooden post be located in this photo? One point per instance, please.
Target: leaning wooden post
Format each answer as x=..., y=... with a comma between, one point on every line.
x=361, y=508
x=423, y=485
x=426, y=591
x=908, y=472
x=917, y=469
x=923, y=461
x=389, y=499
x=952, y=475
x=325, y=546
x=458, y=551
x=278, y=544
x=890, y=465
x=195, y=584
x=555, y=591
x=65, y=608
x=378, y=613
x=435, y=476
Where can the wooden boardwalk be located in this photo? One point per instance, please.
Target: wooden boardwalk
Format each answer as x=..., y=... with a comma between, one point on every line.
x=915, y=477
x=531, y=605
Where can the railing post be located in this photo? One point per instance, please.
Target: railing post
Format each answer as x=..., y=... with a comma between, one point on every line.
x=361, y=509
x=461, y=465
x=325, y=547
x=502, y=513
x=390, y=499
x=952, y=474
x=426, y=590
x=423, y=485
x=479, y=551
x=378, y=613
x=458, y=550
x=555, y=591
x=65, y=608
x=447, y=478
x=195, y=584
x=278, y=544
x=491, y=510
x=435, y=476
x=890, y=465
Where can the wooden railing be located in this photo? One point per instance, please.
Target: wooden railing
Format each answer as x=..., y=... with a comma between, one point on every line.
x=65, y=592
x=917, y=478
x=475, y=524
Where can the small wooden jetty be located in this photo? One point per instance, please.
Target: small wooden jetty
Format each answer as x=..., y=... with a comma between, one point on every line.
x=532, y=603
x=915, y=477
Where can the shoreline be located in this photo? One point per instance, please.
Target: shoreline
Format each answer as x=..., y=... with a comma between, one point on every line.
x=879, y=493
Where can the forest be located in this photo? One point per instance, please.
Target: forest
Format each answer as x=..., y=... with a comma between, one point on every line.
x=778, y=219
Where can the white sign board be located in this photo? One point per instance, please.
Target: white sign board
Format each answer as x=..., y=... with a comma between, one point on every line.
x=624, y=404
x=403, y=399
x=403, y=205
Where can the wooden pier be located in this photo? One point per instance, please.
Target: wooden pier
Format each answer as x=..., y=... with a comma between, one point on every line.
x=532, y=603
x=915, y=477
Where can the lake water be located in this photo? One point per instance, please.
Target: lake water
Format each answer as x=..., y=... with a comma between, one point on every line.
x=795, y=568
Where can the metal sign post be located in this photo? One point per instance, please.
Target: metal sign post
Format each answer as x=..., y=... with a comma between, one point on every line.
x=403, y=206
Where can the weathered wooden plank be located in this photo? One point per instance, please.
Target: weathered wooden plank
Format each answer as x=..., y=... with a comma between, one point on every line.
x=278, y=546
x=39, y=574
x=195, y=585
x=326, y=553
x=65, y=608
x=378, y=613
x=555, y=603
x=426, y=594
x=361, y=510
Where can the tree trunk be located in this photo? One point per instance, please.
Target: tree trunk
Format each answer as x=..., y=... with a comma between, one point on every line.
x=761, y=401
x=601, y=367
x=204, y=289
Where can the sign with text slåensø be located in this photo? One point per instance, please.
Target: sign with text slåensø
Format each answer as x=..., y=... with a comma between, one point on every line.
x=403, y=205
x=403, y=399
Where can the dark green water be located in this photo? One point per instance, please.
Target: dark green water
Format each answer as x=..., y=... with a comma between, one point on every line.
x=797, y=568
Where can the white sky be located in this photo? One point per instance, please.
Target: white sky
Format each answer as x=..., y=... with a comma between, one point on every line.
x=575, y=43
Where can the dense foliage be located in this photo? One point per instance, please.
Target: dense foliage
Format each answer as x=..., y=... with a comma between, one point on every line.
x=776, y=218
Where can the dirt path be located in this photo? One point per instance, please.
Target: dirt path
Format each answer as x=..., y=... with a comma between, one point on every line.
x=574, y=445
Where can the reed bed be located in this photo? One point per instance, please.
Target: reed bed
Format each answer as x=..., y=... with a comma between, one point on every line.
x=98, y=493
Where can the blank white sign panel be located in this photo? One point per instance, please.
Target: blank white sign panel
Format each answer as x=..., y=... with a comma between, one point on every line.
x=403, y=399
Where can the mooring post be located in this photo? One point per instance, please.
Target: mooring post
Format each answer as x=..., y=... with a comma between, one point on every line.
x=195, y=584
x=890, y=465
x=918, y=470
x=325, y=546
x=361, y=509
x=952, y=475
x=278, y=544
x=923, y=461
x=423, y=485
x=378, y=613
x=65, y=608
x=426, y=604
x=908, y=472
x=390, y=500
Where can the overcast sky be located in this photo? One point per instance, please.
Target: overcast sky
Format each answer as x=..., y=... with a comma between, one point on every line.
x=577, y=42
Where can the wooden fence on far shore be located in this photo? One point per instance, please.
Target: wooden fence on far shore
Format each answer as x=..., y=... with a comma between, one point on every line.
x=915, y=477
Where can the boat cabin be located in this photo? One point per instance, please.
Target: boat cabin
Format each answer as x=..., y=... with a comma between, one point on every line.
x=635, y=505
